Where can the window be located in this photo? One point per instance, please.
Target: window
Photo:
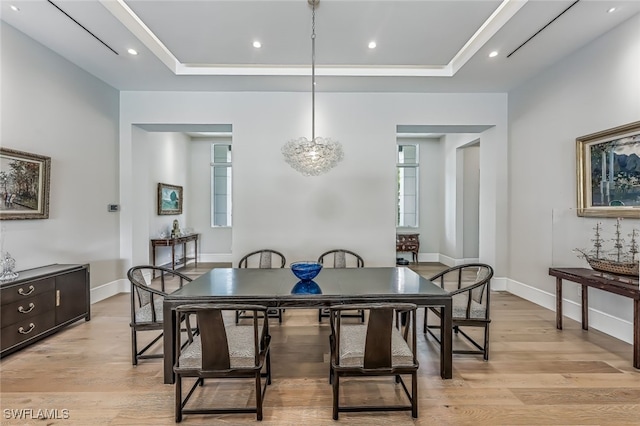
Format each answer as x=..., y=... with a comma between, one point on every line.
x=220, y=184
x=407, y=203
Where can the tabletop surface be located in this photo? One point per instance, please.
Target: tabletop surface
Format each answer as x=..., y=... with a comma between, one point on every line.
x=281, y=283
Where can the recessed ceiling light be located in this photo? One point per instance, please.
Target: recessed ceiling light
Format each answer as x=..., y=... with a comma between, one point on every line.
x=611, y=10
x=15, y=8
x=372, y=45
x=493, y=54
x=257, y=44
x=132, y=51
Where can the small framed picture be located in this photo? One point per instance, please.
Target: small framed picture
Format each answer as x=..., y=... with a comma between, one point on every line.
x=24, y=185
x=169, y=199
x=608, y=171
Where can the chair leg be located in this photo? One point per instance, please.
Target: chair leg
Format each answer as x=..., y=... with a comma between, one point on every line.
x=414, y=395
x=268, y=361
x=336, y=390
x=258, y=397
x=134, y=347
x=486, y=343
x=178, y=408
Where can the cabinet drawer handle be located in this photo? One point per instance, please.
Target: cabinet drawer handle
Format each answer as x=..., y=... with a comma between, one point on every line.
x=22, y=310
x=21, y=291
x=31, y=327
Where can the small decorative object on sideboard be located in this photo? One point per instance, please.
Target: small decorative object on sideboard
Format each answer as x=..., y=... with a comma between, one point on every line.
x=8, y=266
x=621, y=260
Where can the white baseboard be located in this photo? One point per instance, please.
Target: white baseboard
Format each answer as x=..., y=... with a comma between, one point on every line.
x=215, y=257
x=606, y=323
x=109, y=289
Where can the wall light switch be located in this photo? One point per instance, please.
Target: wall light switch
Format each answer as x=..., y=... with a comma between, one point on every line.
x=113, y=208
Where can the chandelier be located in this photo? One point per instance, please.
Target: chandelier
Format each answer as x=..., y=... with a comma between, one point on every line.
x=318, y=155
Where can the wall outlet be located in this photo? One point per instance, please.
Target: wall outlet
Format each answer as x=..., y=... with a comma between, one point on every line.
x=113, y=208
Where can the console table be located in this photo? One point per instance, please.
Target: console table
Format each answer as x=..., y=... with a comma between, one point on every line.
x=173, y=242
x=618, y=284
x=408, y=243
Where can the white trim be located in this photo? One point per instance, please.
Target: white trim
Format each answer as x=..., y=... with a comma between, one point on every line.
x=616, y=327
x=215, y=257
x=109, y=289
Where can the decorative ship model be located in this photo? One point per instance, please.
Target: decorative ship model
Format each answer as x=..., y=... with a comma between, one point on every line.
x=621, y=260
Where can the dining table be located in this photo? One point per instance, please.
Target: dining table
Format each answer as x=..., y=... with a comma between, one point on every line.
x=279, y=288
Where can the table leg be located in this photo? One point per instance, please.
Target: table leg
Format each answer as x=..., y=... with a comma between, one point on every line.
x=585, y=307
x=153, y=251
x=173, y=257
x=196, y=252
x=636, y=333
x=446, y=348
x=169, y=339
x=559, y=303
x=184, y=253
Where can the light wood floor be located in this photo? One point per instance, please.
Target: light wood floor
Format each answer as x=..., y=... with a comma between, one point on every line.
x=536, y=375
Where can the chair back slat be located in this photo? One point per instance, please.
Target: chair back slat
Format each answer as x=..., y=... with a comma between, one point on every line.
x=215, y=348
x=342, y=258
x=265, y=260
x=377, y=350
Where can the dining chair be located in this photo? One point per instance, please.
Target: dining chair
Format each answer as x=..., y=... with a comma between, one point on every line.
x=264, y=258
x=147, y=294
x=341, y=259
x=384, y=346
x=221, y=351
x=470, y=287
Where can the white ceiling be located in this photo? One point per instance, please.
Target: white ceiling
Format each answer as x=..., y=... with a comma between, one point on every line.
x=422, y=45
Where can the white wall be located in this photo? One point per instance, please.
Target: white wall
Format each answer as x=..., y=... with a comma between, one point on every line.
x=351, y=206
x=160, y=157
x=594, y=89
x=51, y=107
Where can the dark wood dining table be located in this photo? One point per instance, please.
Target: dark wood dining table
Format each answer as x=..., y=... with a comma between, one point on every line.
x=279, y=288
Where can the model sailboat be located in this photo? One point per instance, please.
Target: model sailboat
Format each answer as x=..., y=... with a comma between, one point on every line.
x=621, y=260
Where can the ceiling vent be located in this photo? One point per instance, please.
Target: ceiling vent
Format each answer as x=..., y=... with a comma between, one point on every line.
x=541, y=29
x=82, y=26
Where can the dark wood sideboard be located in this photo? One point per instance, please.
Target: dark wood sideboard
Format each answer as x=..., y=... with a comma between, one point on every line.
x=618, y=284
x=408, y=243
x=40, y=302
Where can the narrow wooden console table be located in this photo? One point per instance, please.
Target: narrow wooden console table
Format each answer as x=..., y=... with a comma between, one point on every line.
x=618, y=284
x=173, y=242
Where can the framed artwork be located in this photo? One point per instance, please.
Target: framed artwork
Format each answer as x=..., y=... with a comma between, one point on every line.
x=608, y=171
x=169, y=199
x=24, y=185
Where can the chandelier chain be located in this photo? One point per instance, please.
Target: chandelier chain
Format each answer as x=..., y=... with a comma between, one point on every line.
x=313, y=69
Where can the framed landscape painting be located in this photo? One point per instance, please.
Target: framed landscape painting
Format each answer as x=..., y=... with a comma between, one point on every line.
x=608, y=171
x=24, y=185
x=169, y=199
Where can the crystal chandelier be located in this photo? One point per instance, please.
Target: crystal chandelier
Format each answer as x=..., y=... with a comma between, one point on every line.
x=318, y=155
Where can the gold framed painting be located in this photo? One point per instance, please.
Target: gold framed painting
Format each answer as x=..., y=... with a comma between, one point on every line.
x=608, y=172
x=24, y=185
